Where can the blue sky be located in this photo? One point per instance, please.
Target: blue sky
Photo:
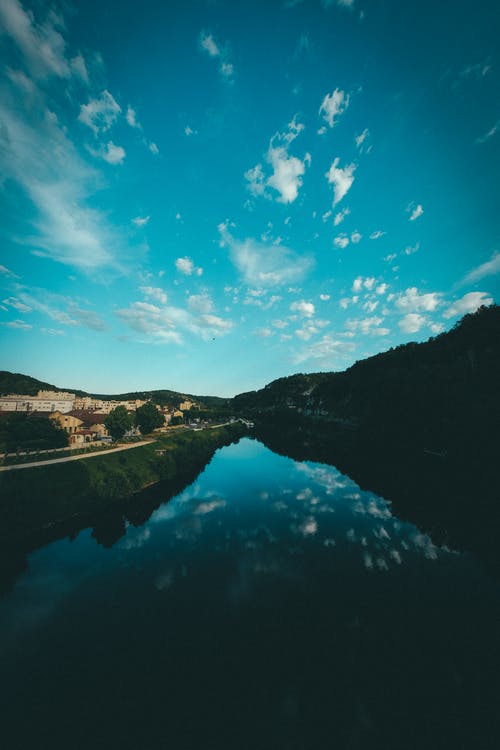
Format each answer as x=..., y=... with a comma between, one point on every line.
x=205, y=196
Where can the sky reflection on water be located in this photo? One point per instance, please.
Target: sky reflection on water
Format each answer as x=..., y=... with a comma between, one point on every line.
x=265, y=573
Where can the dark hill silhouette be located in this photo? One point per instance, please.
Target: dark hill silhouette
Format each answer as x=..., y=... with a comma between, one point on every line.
x=433, y=395
x=15, y=382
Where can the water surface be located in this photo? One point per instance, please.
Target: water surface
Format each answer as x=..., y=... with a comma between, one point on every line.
x=272, y=604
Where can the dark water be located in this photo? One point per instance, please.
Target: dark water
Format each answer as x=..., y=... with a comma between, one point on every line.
x=272, y=604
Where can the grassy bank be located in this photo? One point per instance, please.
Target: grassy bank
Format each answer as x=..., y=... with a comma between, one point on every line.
x=33, y=499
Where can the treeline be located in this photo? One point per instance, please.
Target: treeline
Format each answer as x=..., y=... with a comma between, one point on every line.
x=433, y=395
x=30, y=432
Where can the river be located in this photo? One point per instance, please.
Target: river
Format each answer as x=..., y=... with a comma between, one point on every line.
x=271, y=604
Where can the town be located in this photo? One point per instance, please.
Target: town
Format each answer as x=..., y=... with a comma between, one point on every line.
x=83, y=421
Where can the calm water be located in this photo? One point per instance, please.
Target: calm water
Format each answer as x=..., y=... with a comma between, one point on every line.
x=272, y=604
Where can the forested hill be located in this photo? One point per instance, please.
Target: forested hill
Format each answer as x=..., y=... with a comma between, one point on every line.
x=14, y=382
x=429, y=390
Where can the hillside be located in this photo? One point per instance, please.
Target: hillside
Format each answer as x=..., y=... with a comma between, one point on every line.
x=14, y=382
x=431, y=394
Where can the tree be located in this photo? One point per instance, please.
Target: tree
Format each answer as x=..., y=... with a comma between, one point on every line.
x=30, y=432
x=118, y=422
x=147, y=418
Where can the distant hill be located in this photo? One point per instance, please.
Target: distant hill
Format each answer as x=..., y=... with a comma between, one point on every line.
x=14, y=382
x=431, y=394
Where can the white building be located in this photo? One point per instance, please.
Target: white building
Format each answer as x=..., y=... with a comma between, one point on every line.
x=43, y=401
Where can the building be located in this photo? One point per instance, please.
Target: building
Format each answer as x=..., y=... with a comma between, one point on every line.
x=47, y=401
x=69, y=423
x=186, y=405
x=102, y=406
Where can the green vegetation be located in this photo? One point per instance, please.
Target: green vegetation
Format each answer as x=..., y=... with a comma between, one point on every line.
x=118, y=422
x=32, y=499
x=16, y=382
x=435, y=395
x=28, y=432
x=148, y=418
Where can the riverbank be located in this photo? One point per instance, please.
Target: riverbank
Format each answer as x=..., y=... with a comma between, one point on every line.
x=45, y=496
x=74, y=456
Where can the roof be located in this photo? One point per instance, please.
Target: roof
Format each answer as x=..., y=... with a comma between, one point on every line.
x=88, y=417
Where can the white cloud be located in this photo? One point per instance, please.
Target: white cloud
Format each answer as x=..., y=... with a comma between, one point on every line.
x=490, y=268
x=340, y=216
x=376, y=235
x=100, y=114
x=263, y=265
x=359, y=282
x=154, y=292
x=333, y=105
x=467, y=304
x=51, y=305
x=52, y=331
x=263, y=333
x=324, y=297
x=169, y=324
x=361, y=138
x=307, y=331
x=79, y=67
x=214, y=50
x=65, y=226
x=356, y=237
x=286, y=177
x=227, y=69
x=491, y=132
x=17, y=304
x=66, y=230
x=187, y=267
x=416, y=211
x=42, y=45
x=209, y=44
x=131, y=118
x=341, y=179
x=18, y=324
x=141, y=221
x=7, y=272
x=200, y=303
x=381, y=289
x=412, y=323
x=326, y=351
x=367, y=326
x=341, y=241
x=154, y=148
x=256, y=179
x=303, y=308
x=112, y=154
x=411, y=301
x=477, y=70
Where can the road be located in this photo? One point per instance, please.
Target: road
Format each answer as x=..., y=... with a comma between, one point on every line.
x=34, y=464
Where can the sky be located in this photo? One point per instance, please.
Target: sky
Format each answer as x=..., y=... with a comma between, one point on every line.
x=206, y=195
